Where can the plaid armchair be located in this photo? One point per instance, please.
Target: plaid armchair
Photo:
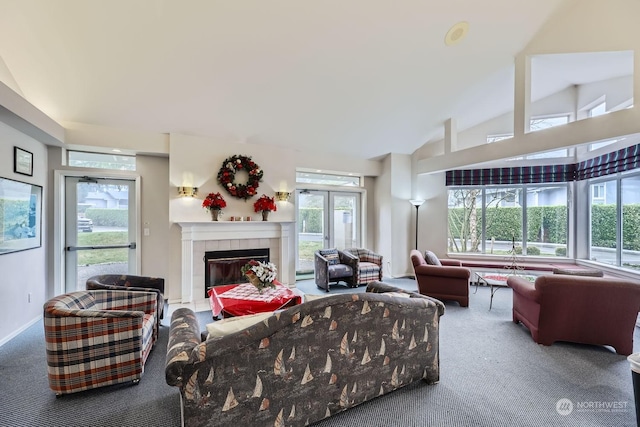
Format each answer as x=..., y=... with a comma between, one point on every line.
x=369, y=265
x=98, y=338
x=118, y=282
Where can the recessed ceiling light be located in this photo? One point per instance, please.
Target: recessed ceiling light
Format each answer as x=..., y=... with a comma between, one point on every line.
x=115, y=150
x=456, y=33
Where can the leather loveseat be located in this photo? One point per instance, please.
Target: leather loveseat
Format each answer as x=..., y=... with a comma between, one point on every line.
x=579, y=309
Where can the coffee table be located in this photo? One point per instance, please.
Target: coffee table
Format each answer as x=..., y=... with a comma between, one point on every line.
x=496, y=280
x=244, y=298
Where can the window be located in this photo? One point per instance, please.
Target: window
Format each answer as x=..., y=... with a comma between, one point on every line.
x=83, y=159
x=604, y=223
x=615, y=235
x=598, y=110
x=539, y=123
x=598, y=194
x=491, y=219
x=597, y=145
x=327, y=179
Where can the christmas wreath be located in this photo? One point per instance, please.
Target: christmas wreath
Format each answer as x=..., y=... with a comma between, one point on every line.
x=227, y=175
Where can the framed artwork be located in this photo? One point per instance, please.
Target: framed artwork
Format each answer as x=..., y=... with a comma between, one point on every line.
x=22, y=161
x=20, y=216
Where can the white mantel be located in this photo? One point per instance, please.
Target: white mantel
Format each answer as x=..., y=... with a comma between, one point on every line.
x=198, y=237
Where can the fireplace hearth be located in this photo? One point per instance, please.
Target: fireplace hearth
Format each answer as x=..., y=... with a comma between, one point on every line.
x=224, y=267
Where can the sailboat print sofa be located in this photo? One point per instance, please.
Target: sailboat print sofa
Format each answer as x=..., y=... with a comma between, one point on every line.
x=305, y=363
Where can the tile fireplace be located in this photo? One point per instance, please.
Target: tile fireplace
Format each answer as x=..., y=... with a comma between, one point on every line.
x=201, y=237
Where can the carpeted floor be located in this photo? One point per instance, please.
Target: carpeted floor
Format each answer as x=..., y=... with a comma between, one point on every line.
x=492, y=374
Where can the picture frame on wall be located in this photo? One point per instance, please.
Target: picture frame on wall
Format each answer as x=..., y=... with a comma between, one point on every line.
x=22, y=161
x=20, y=216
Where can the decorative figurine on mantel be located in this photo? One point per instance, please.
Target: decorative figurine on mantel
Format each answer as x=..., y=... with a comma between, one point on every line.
x=214, y=202
x=265, y=204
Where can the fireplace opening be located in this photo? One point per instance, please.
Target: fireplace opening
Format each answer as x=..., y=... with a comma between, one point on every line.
x=224, y=267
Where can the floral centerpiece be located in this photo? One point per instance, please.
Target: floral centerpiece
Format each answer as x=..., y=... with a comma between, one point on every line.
x=214, y=202
x=265, y=204
x=260, y=274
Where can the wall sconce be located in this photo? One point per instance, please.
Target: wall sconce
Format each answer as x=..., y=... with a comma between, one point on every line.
x=282, y=196
x=188, y=191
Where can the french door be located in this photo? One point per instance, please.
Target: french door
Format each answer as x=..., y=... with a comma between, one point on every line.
x=100, y=229
x=326, y=219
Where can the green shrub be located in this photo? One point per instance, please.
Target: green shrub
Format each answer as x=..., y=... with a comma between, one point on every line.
x=562, y=251
x=108, y=217
x=533, y=250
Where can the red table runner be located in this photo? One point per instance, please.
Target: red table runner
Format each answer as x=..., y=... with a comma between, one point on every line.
x=244, y=298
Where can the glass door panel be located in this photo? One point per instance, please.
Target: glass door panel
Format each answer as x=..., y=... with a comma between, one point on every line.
x=312, y=226
x=100, y=232
x=326, y=219
x=346, y=220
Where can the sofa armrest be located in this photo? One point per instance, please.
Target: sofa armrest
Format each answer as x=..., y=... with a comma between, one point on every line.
x=184, y=336
x=524, y=287
x=451, y=262
x=437, y=271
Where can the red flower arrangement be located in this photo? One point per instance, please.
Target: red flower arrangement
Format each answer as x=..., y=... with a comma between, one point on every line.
x=265, y=203
x=214, y=201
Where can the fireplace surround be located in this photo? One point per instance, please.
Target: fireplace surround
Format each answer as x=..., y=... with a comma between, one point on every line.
x=201, y=237
x=224, y=267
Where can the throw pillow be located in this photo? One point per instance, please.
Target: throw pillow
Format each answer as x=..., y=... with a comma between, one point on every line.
x=331, y=255
x=431, y=258
x=231, y=325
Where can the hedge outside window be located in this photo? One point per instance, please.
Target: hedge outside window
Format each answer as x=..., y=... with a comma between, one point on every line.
x=490, y=219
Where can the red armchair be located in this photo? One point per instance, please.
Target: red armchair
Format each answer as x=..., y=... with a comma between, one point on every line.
x=586, y=310
x=447, y=281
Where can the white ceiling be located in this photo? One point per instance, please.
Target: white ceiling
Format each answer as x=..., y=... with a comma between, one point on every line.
x=354, y=77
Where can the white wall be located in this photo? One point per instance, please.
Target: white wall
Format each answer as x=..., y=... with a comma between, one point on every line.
x=24, y=272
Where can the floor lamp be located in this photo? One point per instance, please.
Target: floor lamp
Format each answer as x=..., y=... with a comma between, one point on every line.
x=417, y=203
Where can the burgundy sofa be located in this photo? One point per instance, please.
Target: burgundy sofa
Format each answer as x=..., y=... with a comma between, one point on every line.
x=447, y=281
x=587, y=310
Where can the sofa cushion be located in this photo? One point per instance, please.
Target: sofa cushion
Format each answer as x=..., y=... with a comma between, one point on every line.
x=592, y=272
x=331, y=255
x=339, y=271
x=431, y=258
x=231, y=325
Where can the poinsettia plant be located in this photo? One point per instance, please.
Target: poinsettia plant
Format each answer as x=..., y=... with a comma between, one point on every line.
x=265, y=203
x=214, y=201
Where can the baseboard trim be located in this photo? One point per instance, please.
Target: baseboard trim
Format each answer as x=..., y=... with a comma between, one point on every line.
x=19, y=331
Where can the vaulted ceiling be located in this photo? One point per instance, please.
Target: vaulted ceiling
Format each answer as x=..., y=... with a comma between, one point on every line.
x=354, y=77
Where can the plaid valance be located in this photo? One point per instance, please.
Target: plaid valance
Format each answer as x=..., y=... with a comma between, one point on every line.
x=517, y=175
x=610, y=163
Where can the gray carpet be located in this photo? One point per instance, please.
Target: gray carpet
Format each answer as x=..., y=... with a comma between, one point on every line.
x=492, y=374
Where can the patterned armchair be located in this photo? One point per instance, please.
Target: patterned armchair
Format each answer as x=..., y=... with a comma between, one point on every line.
x=118, y=282
x=369, y=265
x=332, y=265
x=98, y=338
